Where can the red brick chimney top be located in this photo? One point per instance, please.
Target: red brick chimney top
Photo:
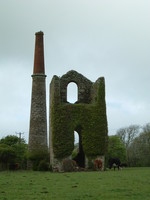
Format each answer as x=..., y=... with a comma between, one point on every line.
x=39, y=54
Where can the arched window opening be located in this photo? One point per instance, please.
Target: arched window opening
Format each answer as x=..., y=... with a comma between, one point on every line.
x=72, y=92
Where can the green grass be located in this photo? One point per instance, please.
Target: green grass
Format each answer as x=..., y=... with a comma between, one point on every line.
x=131, y=183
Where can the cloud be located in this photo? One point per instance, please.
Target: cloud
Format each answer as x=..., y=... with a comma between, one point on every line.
x=96, y=38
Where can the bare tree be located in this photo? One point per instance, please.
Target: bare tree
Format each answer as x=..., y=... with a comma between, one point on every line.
x=146, y=128
x=127, y=135
x=140, y=148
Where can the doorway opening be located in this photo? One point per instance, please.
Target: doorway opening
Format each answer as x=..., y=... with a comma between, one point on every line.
x=78, y=152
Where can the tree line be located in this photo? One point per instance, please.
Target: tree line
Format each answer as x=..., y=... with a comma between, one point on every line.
x=131, y=144
x=13, y=153
x=134, y=146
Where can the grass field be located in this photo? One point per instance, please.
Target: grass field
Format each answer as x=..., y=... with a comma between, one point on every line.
x=131, y=183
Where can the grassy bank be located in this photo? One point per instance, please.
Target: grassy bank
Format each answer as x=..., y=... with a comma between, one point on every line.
x=131, y=183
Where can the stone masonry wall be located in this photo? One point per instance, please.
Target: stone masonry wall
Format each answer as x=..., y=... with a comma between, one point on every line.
x=88, y=114
x=84, y=86
x=38, y=116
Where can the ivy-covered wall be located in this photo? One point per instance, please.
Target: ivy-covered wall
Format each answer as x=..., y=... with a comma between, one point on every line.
x=88, y=113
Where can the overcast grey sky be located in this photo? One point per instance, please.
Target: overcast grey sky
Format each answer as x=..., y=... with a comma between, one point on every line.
x=109, y=38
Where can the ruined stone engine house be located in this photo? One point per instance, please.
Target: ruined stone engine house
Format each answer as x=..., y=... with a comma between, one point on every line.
x=87, y=117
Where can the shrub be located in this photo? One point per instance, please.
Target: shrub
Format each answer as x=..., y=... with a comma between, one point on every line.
x=43, y=166
x=75, y=152
x=7, y=156
x=38, y=158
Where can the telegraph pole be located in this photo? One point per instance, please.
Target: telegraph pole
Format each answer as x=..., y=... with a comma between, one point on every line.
x=20, y=134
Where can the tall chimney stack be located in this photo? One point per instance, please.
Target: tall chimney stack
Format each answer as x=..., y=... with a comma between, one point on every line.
x=38, y=115
x=39, y=54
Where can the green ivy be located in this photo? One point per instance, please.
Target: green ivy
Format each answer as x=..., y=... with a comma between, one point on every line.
x=65, y=118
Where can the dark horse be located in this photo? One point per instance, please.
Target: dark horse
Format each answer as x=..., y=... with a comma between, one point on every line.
x=114, y=162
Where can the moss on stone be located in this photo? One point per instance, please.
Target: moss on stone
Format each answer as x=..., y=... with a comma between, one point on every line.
x=90, y=117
